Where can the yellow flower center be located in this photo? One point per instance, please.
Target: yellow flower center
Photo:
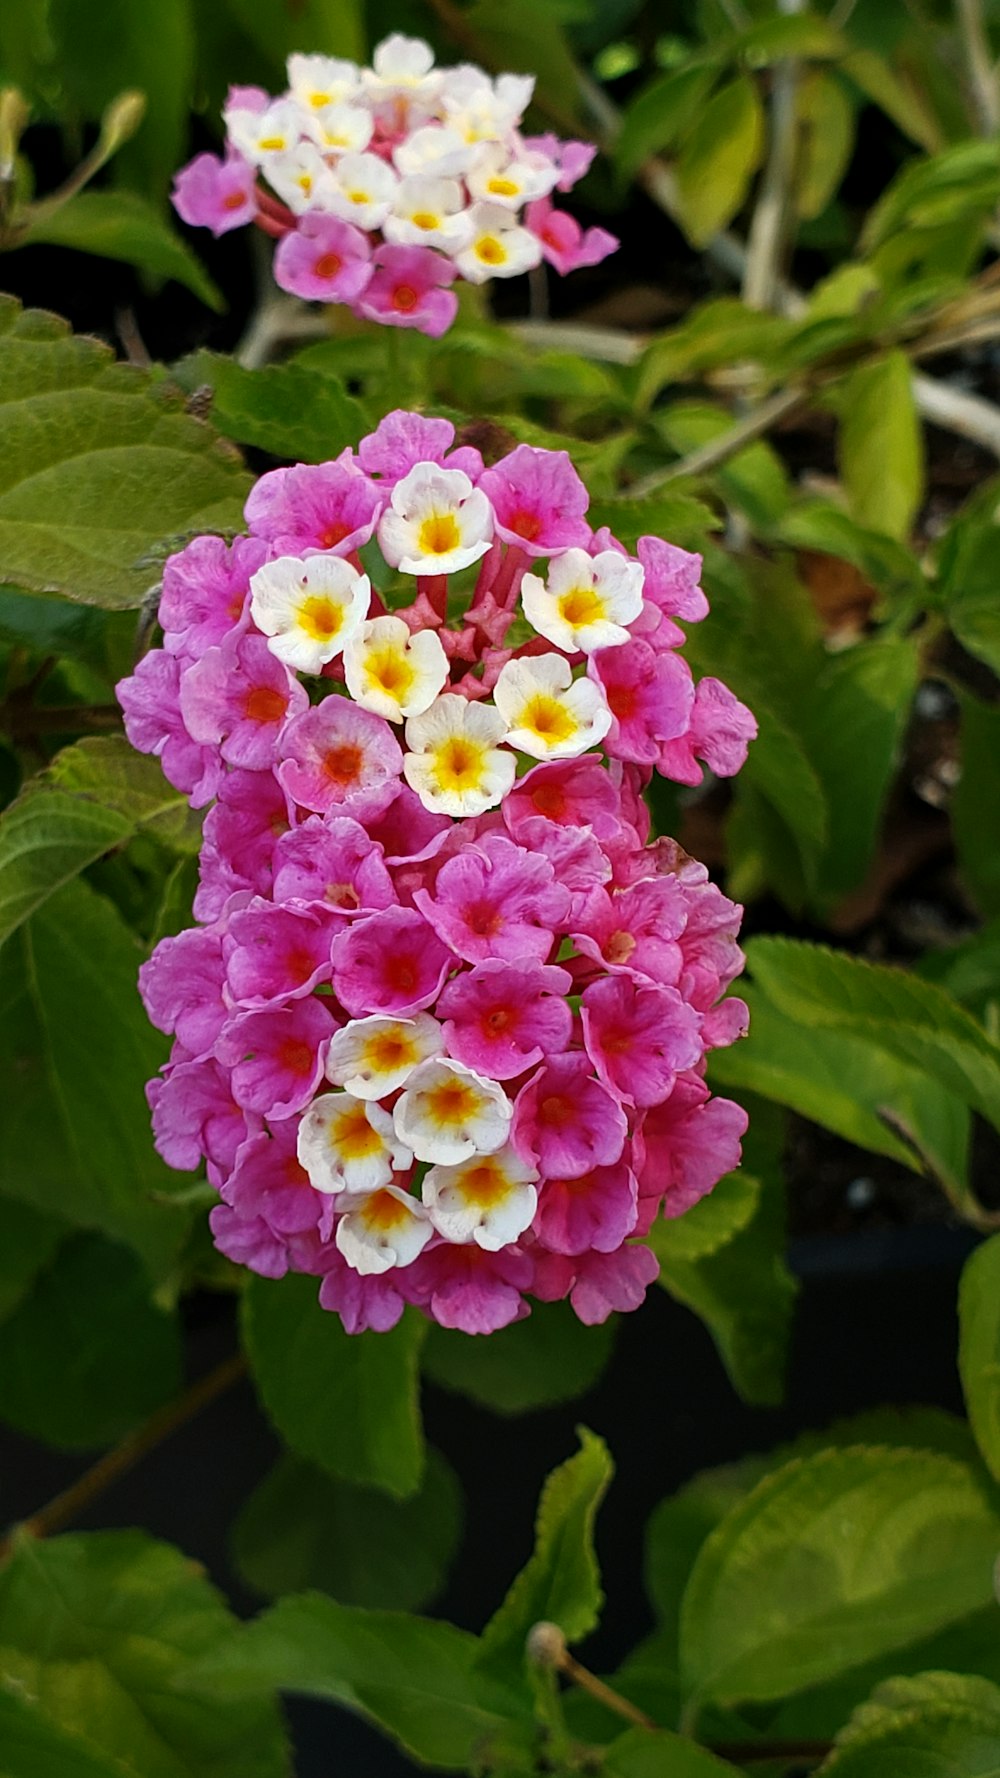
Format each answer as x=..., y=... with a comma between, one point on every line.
x=320, y=617
x=272, y=142
x=581, y=606
x=359, y=197
x=439, y=534
x=383, y=1213
x=388, y=1050
x=460, y=764
x=548, y=719
x=485, y=1184
x=503, y=188
x=352, y=1136
x=452, y=1103
x=425, y=219
x=490, y=250
x=388, y=670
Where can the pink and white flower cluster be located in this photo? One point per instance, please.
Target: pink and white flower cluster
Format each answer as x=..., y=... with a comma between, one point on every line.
x=440, y=1032
x=384, y=185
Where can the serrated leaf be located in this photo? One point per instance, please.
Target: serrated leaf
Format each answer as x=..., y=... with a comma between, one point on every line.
x=560, y=1583
x=301, y=1529
x=719, y=158
x=880, y=445
x=94, y=1633
x=96, y=469
x=35, y=1748
x=830, y=1561
x=681, y=517
x=95, y=796
x=945, y=1723
x=548, y=1357
x=348, y=1402
x=86, y=1354
x=289, y=410
x=416, y=1678
x=122, y=225
x=715, y=1220
x=975, y=804
x=979, y=1347
x=75, y=1139
x=907, y=1017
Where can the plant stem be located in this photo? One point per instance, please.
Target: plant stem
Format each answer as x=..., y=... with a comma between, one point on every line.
x=979, y=60
x=65, y=1507
x=772, y=213
x=755, y=422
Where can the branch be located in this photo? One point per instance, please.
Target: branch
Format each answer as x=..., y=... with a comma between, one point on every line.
x=65, y=1507
x=755, y=422
x=772, y=212
x=979, y=60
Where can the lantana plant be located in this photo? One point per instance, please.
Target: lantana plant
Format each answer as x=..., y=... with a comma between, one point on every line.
x=440, y=1034
x=384, y=185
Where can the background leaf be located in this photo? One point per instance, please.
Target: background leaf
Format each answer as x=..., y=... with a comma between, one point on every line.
x=881, y=445
x=122, y=225
x=719, y=158
x=979, y=1347
x=548, y=1357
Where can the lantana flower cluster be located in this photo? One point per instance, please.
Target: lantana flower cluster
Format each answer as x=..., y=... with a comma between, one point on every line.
x=384, y=185
x=440, y=1031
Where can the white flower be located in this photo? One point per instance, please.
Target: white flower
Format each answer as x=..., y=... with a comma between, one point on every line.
x=349, y=1144
x=550, y=715
x=373, y=1057
x=405, y=66
x=588, y=600
x=489, y=1199
x=308, y=609
x=511, y=181
x=455, y=764
x=482, y=110
x=302, y=178
x=319, y=81
x=434, y=152
x=344, y=129
x=392, y=672
x=447, y=1113
x=262, y=135
x=363, y=190
x=429, y=213
x=436, y=522
x=500, y=247
x=383, y=1229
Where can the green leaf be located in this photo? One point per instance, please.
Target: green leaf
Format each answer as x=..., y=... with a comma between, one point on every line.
x=27, y=1242
x=826, y=126
x=830, y=1561
x=942, y=1723
x=661, y=112
x=909, y=1018
x=719, y=332
x=122, y=225
x=804, y=35
x=719, y=158
x=964, y=180
x=548, y=1357
x=975, y=804
x=325, y=27
x=740, y=1287
x=94, y=1633
x=96, y=469
x=967, y=572
x=300, y=1529
x=75, y=1138
x=560, y=1583
x=34, y=1748
x=286, y=409
x=711, y=1223
x=899, y=99
x=638, y=1754
x=345, y=1401
x=682, y=518
x=979, y=1347
x=92, y=798
x=970, y=971
x=842, y=1080
x=86, y=1355
x=416, y=1678
x=754, y=480
x=881, y=445
x=819, y=525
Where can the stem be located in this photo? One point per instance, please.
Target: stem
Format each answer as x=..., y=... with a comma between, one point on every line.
x=979, y=60
x=65, y=1507
x=755, y=422
x=604, y=1694
x=768, y=235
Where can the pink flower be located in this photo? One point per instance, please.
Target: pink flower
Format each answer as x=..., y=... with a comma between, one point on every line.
x=564, y=243
x=495, y=900
x=502, y=1018
x=248, y=1241
x=238, y=840
x=323, y=260
x=609, y=1281
x=635, y=931
x=720, y=732
x=150, y=702
x=339, y=759
x=407, y=831
x=372, y=1301
x=469, y=1288
x=196, y=1118
x=216, y=194
x=205, y=589
x=571, y=792
x=276, y=1057
x=565, y=1122
x=268, y=1181
x=402, y=440
x=580, y=865
x=333, y=862
x=572, y=158
x=639, y=1038
x=181, y=988
x=649, y=694
x=390, y=962
x=538, y=500
x=409, y=289
x=672, y=579
x=237, y=697
x=276, y=953
x=690, y=1141
x=315, y=506
x=596, y=1210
